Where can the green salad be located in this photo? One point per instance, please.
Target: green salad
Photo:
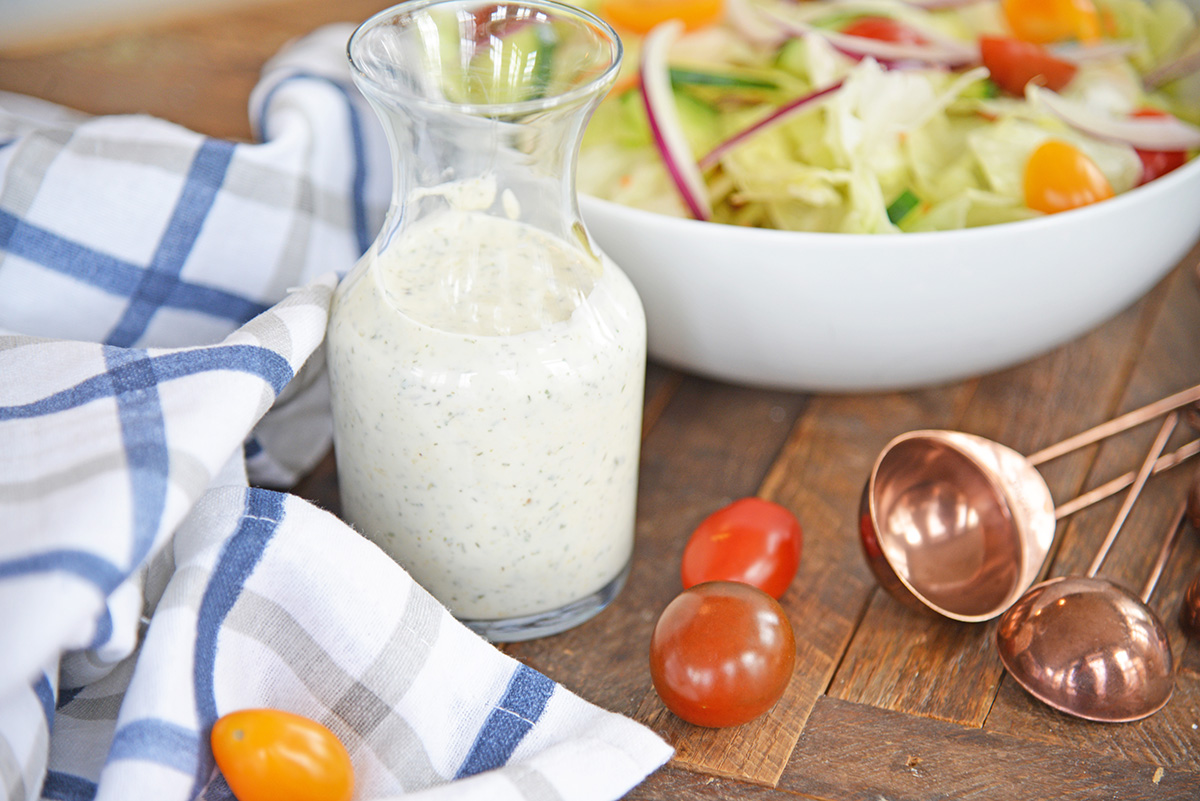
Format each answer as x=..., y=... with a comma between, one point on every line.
x=882, y=116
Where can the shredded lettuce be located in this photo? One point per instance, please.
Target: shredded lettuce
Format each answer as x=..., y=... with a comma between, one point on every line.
x=938, y=137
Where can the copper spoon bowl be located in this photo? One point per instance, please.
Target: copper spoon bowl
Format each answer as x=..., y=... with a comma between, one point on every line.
x=960, y=525
x=1089, y=648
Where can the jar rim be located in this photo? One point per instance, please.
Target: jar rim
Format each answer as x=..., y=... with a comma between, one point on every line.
x=575, y=94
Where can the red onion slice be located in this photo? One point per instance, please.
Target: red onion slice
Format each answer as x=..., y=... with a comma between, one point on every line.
x=711, y=158
x=1088, y=53
x=665, y=127
x=938, y=50
x=1180, y=67
x=1144, y=133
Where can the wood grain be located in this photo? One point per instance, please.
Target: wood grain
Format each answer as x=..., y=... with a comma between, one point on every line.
x=854, y=752
x=886, y=703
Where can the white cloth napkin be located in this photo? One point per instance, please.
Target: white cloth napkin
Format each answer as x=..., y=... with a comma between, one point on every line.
x=152, y=350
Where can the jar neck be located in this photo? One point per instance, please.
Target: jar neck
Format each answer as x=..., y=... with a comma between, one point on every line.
x=484, y=105
x=521, y=169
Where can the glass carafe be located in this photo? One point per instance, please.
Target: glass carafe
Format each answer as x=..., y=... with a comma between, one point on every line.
x=487, y=361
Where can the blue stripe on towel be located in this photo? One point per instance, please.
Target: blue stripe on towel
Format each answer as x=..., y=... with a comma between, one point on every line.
x=68, y=787
x=101, y=572
x=518, y=711
x=144, y=434
x=239, y=556
x=358, y=184
x=158, y=741
x=266, y=364
x=115, y=276
x=160, y=280
x=45, y=695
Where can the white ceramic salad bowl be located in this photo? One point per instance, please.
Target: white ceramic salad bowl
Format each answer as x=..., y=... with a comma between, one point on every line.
x=868, y=312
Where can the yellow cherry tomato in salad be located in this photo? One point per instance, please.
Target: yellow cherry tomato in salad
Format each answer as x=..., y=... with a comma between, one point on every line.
x=268, y=754
x=641, y=16
x=1048, y=21
x=1059, y=177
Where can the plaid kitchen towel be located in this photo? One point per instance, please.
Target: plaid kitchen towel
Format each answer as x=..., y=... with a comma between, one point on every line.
x=163, y=299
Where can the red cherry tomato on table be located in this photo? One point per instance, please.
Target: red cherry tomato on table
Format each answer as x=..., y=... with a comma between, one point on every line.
x=722, y=654
x=1046, y=21
x=884, y=29
x=1157, y=163
x=1014, y=63
x=1059, y=177
x=752, y=540
x=268, y=754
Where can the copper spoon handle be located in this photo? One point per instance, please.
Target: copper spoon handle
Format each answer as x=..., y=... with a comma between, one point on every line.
x=1165, y=462
x=1164, y=553
x=1160, y=442
x=1116, y=425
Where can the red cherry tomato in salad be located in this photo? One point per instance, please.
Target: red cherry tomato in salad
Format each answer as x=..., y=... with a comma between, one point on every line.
x=751, y=540
x=268, y=754
x=641, y=16
x=1014, y=63
x=883, y=28
x=1157, y=163
x=1046, y=21
x=722, y=654
x=1059, y=177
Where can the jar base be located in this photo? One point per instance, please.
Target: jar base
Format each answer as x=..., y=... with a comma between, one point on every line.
x=555, y=621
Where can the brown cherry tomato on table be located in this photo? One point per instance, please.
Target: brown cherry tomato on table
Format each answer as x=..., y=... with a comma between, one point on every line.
x=1013, y=63
x=722, y=654
x=269, y=754
x=751, y=540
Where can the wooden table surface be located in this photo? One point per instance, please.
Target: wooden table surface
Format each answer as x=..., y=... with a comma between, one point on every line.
x=885, y=703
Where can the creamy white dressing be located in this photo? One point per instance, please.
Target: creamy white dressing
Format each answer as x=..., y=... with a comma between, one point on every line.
x=487, y=394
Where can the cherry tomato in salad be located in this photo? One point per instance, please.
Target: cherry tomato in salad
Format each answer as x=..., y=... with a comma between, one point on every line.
x=641, y=16
x=722, y=654
x=1059, y=177
x=751, y=540
x=268, y=754
x=1046, y=21
x=885, y=29
x=1157, y=163
x=1014, y=63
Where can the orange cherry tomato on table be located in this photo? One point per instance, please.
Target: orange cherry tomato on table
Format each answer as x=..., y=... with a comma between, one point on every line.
x=884, y=29
x=641, y=16
x=1014, y=63
x=1157, y=163
x=1059, y=177
x=751, y=540
x=1046, y=21
x=722, y=653
x=269, y=754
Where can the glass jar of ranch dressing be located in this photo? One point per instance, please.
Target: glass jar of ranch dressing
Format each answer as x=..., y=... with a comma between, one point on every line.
x=487, y=360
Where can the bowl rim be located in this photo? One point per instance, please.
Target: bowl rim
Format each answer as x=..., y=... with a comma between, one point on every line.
x=1075, y=217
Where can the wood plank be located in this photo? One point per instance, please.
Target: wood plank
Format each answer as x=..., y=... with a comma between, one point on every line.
x=912, y=662
x=196, y=71
x=854, y=752
x=1170, y=737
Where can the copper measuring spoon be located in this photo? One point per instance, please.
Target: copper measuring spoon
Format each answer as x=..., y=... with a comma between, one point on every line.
x=1087, y=647
x=1189, y=611
x=961, y=525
